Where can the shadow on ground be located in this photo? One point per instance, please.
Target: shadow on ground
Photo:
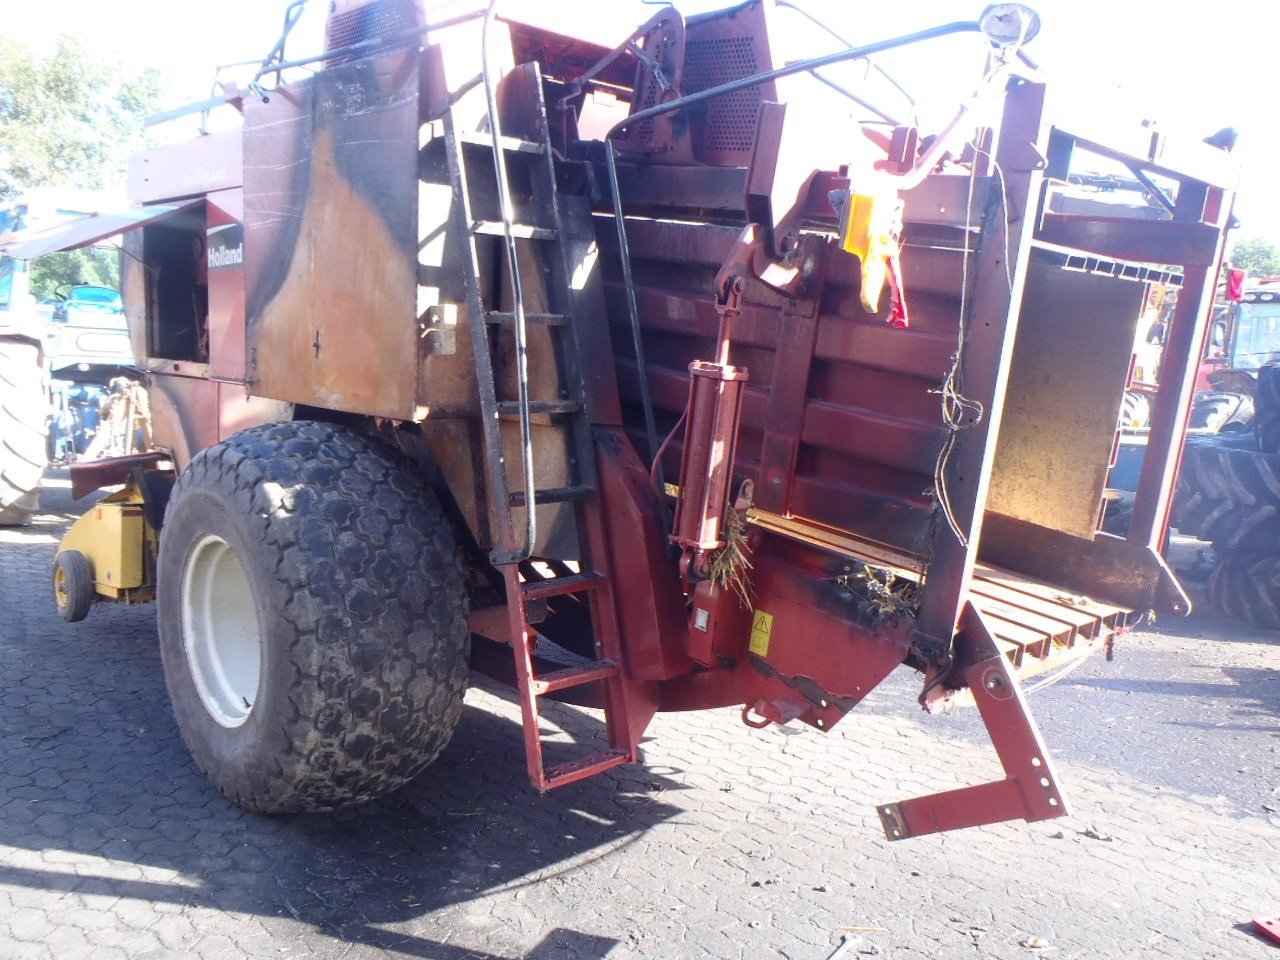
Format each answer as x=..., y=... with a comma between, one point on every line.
x=95, y=778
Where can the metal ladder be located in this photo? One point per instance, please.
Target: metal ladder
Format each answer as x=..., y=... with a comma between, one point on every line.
x=531, y=153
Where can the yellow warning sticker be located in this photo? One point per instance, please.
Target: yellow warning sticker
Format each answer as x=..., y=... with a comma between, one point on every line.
x=761, y=631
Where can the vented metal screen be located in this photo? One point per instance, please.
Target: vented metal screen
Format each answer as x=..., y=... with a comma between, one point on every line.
x=731, y=119
x=380, y=18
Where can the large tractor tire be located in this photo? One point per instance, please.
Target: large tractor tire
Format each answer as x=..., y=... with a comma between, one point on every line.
x=1229, y=493
x=313, y=618
x=1267, y=420
x=1219, y=412
x=1247, y=587
x=24, y=426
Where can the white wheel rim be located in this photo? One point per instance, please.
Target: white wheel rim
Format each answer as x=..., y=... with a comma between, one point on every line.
x=220, y=631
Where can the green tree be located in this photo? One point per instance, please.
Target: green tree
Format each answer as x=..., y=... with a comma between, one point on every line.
x=69, y=119
x=57, y=271
x=1260, y=258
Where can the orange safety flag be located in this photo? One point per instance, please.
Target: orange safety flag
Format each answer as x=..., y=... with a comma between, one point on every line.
x=872, y=222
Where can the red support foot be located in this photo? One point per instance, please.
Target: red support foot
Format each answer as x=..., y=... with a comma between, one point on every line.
x=1029, y=790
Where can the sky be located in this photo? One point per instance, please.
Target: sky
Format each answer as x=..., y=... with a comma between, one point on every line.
x=1110, y=62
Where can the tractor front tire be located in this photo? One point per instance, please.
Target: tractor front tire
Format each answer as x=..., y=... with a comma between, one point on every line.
x=24, y=415
x=313, y=618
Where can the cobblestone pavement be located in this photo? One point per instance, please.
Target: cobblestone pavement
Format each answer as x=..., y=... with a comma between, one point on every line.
x=727, y=843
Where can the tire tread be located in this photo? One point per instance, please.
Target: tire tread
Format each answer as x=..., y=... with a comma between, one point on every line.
x=368, y=581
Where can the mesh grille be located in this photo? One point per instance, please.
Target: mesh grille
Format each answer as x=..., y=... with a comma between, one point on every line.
x=644, y=129
x=380, y=18
x=732, y=118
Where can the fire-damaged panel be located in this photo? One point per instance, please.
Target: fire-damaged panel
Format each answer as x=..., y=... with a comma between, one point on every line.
x=1069, y=362
x=331, y=239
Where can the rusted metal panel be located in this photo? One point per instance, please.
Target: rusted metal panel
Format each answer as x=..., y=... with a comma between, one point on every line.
x=239, y=410
x=331, y=239
x=455, y=447
x=447, y=386
x=184, y=415
x=1070, y=361
x=90, y=475
x=1121, y=572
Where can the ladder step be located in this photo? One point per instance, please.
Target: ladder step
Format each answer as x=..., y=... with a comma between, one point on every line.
x=540, y=406
x=551, y=495
x=521, y=231
x=574, y=677
x=512, y=144
x=560, y=586
x=564, y=773
x=536, y=319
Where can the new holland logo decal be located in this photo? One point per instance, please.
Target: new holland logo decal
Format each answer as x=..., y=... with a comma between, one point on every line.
x=226, y=246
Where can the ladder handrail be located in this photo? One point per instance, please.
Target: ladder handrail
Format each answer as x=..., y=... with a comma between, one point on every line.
x=507, y=214
x=495, y=461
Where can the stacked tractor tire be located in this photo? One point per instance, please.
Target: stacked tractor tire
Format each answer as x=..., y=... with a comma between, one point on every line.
x=24, y=410
x=1229, y=494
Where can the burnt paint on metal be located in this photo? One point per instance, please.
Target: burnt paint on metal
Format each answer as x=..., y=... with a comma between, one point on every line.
x=190, y=413
x=331, y=239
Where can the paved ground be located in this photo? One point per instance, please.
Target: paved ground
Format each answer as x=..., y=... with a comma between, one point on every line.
x=728, y=843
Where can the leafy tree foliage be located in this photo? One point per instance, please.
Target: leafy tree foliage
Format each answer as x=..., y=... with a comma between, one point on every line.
x=69, y=119
x=56, y=272
x=1256, y=255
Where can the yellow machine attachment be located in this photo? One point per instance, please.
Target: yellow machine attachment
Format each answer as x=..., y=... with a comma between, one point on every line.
x=108, y=554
